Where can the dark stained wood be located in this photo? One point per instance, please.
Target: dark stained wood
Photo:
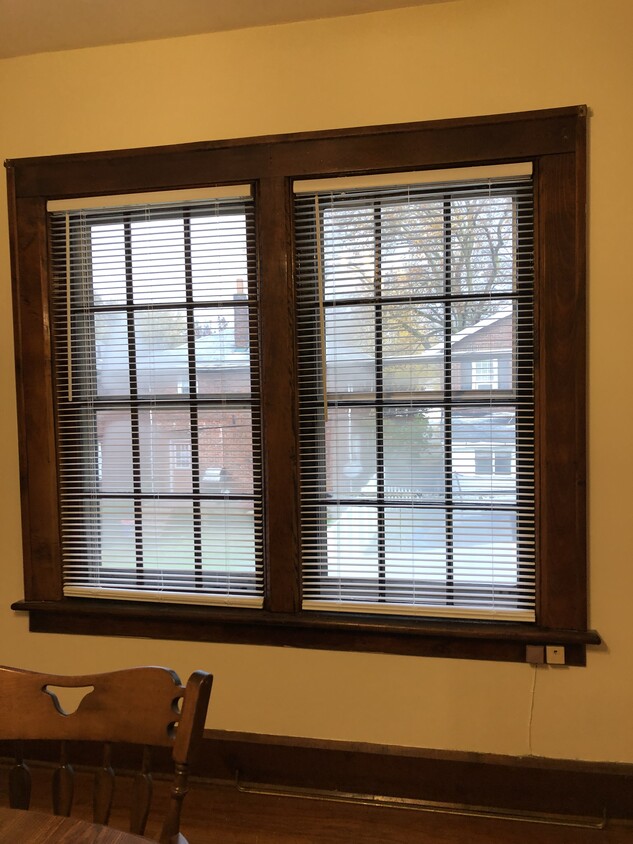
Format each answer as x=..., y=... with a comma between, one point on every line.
x=63, y=785
x=40, y=530
x=505, y=642
x=142, y=794
x=517, y=784
x=142, y=706
x=222, y=814
x=104, y=788
x=561, y=392
x=19, y=827
x=278, y=385
x=392, y=147
x=19, y=780
x=500, y=783
x=555, y=141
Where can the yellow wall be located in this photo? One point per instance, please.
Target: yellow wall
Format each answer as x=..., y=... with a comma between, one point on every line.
x=442, y=60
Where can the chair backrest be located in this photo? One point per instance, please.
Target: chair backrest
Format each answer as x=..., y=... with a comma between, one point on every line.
x=144, y=706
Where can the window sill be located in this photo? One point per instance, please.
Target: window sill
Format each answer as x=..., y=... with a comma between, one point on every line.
x=504, y=642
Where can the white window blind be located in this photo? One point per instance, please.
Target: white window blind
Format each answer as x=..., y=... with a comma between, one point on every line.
x=415, y=339
x=157, y=397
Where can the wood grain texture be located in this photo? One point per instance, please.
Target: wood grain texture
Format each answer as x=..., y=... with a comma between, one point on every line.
x=139, y=706
x=220, y=814
x=279, y=391
x=561, y=392
x=20, y=827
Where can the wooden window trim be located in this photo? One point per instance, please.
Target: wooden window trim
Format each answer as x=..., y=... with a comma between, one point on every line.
x=555, y=142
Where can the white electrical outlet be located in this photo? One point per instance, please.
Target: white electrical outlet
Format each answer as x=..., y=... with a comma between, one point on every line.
x=555, y=655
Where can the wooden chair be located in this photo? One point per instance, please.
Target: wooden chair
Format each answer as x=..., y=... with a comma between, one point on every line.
x=142, y=706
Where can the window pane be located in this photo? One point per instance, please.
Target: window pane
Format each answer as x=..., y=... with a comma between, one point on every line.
x=219, y=257
x=114, y=429
x=482, y=244
x=222, y=353
x=161, y=350
x=352, y=547
x=165, y=450
x=485, y=547
x=117, y=540
x=226, y=451
x=415, y=546
x=414, y=454
x=350, y=436
x=348, y=248
x=350, y=345
x=413, y=348
x=228, y=537
x=158, y=260
x=483, y=343
x=478, y=436
x=168, y=537
x=111, y=353
x=107, y=250
x=412, y=248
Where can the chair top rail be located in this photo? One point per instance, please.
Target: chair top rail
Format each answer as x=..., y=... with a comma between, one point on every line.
x=136, y=705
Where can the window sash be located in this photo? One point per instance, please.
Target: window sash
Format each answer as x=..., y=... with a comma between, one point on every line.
x=155, y=346
x=488, y=585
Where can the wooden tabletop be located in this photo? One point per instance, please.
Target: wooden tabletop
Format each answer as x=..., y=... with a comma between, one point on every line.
x=18, y=827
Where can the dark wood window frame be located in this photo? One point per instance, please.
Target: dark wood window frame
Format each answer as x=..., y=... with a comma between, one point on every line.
x=555, y=142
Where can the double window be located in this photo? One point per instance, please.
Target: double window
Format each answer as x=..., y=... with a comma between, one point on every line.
x=324, y=395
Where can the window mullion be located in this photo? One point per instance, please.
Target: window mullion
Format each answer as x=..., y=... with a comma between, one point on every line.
x=380, y=422
x=193, y=403
x=448, y=412
x=279, y=396
x=134, y=408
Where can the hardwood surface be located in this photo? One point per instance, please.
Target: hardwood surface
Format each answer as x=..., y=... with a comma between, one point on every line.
x=222, y=814
x=21, y=827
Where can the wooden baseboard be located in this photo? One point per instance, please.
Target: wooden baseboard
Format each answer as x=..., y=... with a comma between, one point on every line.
x=521, y=784
x=506, y=783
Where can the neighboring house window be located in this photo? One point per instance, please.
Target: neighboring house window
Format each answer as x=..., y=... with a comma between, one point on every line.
x=263, y=419
x=485, y=375
x=489, y=462
x=180, y=455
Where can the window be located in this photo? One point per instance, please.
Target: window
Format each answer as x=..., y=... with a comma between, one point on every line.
x=485, y=374
x=153, y=378
x=322, y=390
x=398, y=285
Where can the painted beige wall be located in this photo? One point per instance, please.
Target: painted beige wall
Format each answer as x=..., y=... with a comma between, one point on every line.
x=446, y=60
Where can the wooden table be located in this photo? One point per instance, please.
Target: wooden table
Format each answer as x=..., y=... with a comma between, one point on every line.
x=18, y=827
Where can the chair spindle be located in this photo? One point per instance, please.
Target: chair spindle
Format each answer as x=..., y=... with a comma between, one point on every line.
x=103, y=788
x=19, y=781
x=63, y=784
x=142, y=795
x=179, y=789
